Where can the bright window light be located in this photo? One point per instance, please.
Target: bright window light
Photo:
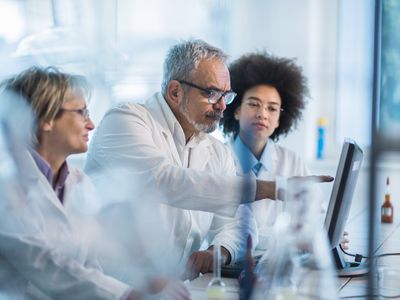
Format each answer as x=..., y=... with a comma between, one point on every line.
x=11, y=21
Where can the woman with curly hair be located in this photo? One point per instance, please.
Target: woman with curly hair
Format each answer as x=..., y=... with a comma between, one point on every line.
x=271, y=95
x=281, y=87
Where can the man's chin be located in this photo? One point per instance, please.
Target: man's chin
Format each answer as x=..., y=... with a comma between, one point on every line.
x=210, y=127
x=206, y=128
x=209, y=130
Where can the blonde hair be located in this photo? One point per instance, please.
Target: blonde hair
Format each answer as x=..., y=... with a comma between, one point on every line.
x=46, y=90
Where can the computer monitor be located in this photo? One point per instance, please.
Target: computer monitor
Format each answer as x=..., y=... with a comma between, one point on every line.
x=339, y=206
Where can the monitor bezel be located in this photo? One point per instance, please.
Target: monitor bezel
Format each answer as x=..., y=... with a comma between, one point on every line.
x=340, y=203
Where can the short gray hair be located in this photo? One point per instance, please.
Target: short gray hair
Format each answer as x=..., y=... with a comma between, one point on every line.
x=183, y=58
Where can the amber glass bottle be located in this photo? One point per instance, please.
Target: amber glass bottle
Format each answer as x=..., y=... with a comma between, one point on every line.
x=387, y=207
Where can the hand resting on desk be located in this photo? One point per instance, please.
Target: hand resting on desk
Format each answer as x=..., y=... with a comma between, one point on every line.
x=202, y=262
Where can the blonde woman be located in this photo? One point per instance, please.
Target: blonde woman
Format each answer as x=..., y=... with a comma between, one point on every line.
x=47, y=257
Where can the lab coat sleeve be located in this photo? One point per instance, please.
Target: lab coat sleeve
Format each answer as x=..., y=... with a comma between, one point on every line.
x=232, y=232
x=301, y=169
x=129, y=141
x=55, y=275
x=26, y=253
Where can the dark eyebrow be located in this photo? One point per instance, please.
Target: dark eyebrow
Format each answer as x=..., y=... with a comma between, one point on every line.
x=254, y=98
x=217, y=89
x=259, y=100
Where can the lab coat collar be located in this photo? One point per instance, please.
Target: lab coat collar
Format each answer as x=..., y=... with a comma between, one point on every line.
x=36, y=183
x=42, y=165
x=46, y=170
x=273, y=157
x=268, y=155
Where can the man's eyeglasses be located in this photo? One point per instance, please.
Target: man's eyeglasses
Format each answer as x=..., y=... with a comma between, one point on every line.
x=214, y=96
x=84, y=112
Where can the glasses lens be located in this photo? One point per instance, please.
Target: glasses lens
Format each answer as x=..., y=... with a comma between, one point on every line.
x=85, y=113
x=229, y=97
x=214, y=96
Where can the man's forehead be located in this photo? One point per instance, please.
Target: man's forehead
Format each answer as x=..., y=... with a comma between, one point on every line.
x=212, y=73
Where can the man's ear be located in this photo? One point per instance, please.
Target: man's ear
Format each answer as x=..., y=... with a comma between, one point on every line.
x=174, y=92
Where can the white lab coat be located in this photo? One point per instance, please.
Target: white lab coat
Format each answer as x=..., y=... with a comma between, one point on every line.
x=42, y=252
x=281, y=162
x=146, y=144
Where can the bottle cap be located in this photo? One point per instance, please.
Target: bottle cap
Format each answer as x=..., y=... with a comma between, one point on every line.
x=322, y=121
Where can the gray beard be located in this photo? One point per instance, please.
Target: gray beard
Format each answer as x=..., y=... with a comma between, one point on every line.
x=207, y=128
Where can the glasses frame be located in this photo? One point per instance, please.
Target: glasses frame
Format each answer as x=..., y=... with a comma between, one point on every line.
x=211, y=91
x=84, y=112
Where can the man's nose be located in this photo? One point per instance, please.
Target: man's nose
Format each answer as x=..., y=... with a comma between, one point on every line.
x=221, y=105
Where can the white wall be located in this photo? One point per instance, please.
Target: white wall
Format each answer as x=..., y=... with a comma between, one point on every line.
x=305, y=30
x=308, y=30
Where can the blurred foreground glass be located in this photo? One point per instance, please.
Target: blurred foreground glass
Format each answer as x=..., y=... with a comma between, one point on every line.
x=281, y=191
x=389, y=283
x=216, y=287
x=298, y=263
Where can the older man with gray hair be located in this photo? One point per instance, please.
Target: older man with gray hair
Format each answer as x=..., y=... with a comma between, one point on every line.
x=165, y=144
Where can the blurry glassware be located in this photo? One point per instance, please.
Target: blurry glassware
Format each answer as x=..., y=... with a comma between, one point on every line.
x=247, y=278
x=281, y=187
x=388, y=282
x=298, y=263
x=16, y=122
x=280, y=193
x=216, y=287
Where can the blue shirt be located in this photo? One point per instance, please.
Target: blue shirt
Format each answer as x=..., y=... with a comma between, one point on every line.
x=248, y=161
x=45, y=168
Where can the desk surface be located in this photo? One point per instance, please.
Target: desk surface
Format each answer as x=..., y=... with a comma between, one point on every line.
x=357, y=226
x=388, y=242
x=198, y=287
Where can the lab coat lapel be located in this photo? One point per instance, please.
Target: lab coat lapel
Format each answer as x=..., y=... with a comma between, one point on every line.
x=39, y=189
x=160, y=111
x=172, y=146
x=200, y=155
x=273, y=161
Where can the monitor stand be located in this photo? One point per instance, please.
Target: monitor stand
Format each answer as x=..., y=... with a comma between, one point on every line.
x=348, y=269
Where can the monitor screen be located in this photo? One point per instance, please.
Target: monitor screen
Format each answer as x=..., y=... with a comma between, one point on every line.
x=340, y=203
